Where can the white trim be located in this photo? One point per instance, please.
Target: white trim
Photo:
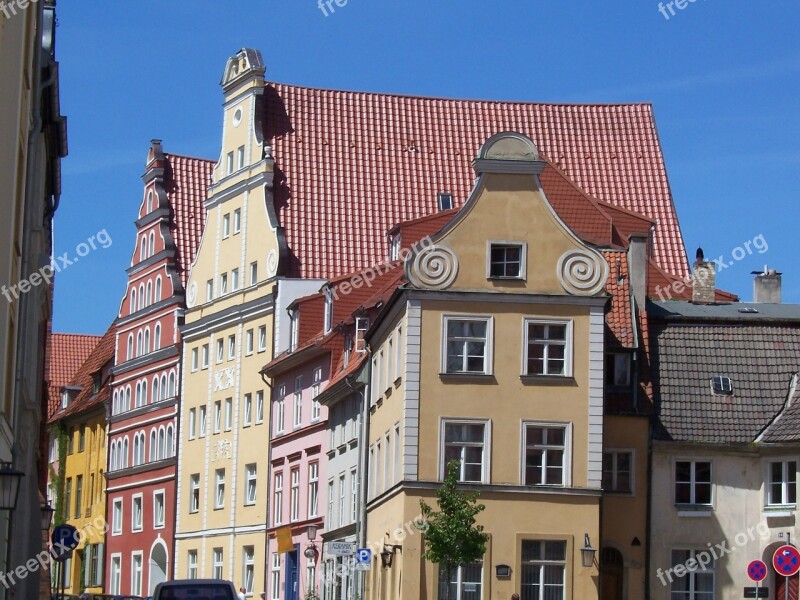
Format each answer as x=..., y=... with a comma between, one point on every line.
x=486, y=467
x=140, y=554
x=114, y=502
x=488, y=354
x=140, y=483
x=569, y=346
x=632, y=452
x=775, y=510
x=115, y=555
x=596, y=380
x=692, y=509
x=157, y=542
x=523, y=264
x=220, y=531
x=411, y=379
x=568, y=445
x=133, y=513
x=164, y=507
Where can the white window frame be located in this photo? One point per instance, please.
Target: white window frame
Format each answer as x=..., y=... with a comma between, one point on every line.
x=136, y=578
x=316, y=407
x=615, y=452
x=115, y=573
x=209, y=290
x=228, y=413
x=194, y=485
x=231, y=346
x=254, y=272
x=249, y=342
x=488, y=358
x=785, y=462
x=262, y=338
x=294, y=494
x=217, y=416
x=297, y=403
x=568, y=345
x=117, y=516
x=247, y=418
x=486, y=467
x=195, y=360
x=523, y=259
x=692, y=504
x=294, y=329
x=205, y=355
x=567, y=468
x=226, y=225
x=259, y=407
x=277, y=498
x=542, y=563
x=250, y=484
x=248, y=568
x=162, y=494
x=192, y=421
x=201, y=422
x=223, y=284
x=137, y=525
x=313, y=489
x=234, y=280
x=218, y=563
x=237, y=213
x=191, y=564
x=219, y=489
x=275, y=577
x=690, y=575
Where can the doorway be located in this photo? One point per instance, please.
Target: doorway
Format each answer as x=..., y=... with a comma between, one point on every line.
x=290, y=585
x=611, y=574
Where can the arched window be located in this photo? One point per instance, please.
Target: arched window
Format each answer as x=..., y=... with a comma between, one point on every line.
x=141, y=296
x=112, y=456
x=157, y=337
x=158, y=288
x=170, y=436
x=125, y=450
x=136, y=450
x=172, y=384
x=149, y=296
x=133, y=301
x=153, y=446
x=137, y=395
x=144, y=393
x=164, y=387
x=139, y=343
x=155, y=390
x=130, y=346
x=114, y=400
x=152, y=243
x=127, y=398
x=161, y=442
x=143, y=249
x=150, y=201
x=147, y=340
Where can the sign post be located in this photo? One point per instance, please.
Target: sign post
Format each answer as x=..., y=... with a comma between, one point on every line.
x=786, y=562
x=65, y=540
x=757, y=571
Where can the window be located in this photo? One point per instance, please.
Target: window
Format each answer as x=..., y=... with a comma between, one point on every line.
x=315, y=388
x=279, y=409
x=262, y=338
x=545, y=455
x=297, y=412
x=506, y=260
x=237, y=214
x=228, y=413
x=220, y=351
x=226, y=225
x=250, y=484
x=136, y=517
x=397, y=450
x=201, y=422
x=248, y=410
x=82, y=439
x=259, y=407
x=468, y=345
x=116, y=573
x=223, y=284
x=275, y=577
x=782, y=483
x=547, y=348
x=231, y=346
x=216, y=569
x=342, y=495
x=68, y=496
x=328, y=322
x=116, y=518
x=191, y=564
x=136, y=574
x=329, y=515
x=94, y=552
x=278, y=499
x=618, y=369
x=249, y=562
x=444, y=200
x=618, y=471
x=466, y=443
x=722, y=385
x=158, y=509
x=362, y=325
x=205, y=356
x=209, y=290
x=248, y=342
x=697, y=583
x=194, y=493
x=219, y=488
x=313, y=489
x=217, y=415
x=294, y=497
x=466, y=582
x=253, y=273
x=78, y=496
x=192, y=415
x=692, y=482
x=544, y=564
x=239, y=165
x=294, y=329
x=234, y=279
x=353, y=496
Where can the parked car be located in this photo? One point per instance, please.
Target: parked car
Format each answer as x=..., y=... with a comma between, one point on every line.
x=195, y=589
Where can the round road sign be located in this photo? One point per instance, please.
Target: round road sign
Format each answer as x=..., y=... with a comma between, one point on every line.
x=786, y=560
x=757, y=570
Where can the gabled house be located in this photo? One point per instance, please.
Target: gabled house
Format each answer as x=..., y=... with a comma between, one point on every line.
x=726, y=444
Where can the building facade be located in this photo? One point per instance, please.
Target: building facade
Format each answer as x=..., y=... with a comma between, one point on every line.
x=142, y=424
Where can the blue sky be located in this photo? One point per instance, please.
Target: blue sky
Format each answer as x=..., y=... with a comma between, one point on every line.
x=724, y=78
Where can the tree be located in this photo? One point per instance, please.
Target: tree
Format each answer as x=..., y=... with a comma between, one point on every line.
x=452, y=538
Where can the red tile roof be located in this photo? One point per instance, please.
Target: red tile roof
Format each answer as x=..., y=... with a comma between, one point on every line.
x=351, y=164
x=186, y=184
x=619, y=318
x=66, y=353
x=99, y=360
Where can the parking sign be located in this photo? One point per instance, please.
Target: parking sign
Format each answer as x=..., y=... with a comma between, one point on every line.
x=363, y=559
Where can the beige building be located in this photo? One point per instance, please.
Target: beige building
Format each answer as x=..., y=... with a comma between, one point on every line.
x=493, y=355
x=32, y=142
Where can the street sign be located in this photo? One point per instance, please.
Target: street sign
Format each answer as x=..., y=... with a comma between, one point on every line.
x=759, y=592
x=786, y=560
x=757, y=570
x=341, y=548
x=65, y=540
x=363, y=559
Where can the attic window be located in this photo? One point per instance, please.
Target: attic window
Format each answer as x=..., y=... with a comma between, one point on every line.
x=96, y=383
x=394, y=247
x=362, y=325
x=444, y=200
x=64, y=399
x=722, y=384
x=328, y=310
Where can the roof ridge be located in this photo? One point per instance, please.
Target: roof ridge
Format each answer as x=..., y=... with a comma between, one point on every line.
x=176, y=155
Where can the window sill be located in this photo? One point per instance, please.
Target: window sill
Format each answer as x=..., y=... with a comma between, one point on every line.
x=467, y=378
x=779, y=510
x=548, y=380
x=700, y=511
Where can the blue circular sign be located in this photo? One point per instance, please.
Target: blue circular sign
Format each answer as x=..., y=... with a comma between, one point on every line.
x=786, y=560
x=757, y=570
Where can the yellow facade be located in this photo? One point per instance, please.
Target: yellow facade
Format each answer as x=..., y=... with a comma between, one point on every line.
x=509, y=405
x=228, y=337
x=84, y=503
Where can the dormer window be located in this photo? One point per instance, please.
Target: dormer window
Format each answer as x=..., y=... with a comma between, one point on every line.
x=348, y=348
x=506, y=260
x=394, y=247
x=294, y=329
x=362, y=324
x=328, y=310
x=96, y=382
x=64, y=399
x=444, y=200
x=722, y=384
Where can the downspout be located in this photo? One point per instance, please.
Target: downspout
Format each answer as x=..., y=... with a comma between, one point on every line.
x=269, y=482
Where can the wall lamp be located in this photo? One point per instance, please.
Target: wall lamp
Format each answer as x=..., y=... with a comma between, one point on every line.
x=387, y=554
x=9, y=486
x=587, y=552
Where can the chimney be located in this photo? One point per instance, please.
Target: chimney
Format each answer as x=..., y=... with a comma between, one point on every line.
x=767, y=286
x=704, y=280
x=637, y=267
